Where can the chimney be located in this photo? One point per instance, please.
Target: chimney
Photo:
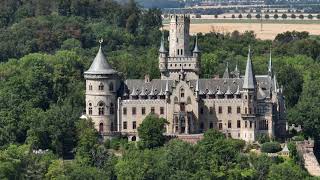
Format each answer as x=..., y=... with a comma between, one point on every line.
x=147, y=78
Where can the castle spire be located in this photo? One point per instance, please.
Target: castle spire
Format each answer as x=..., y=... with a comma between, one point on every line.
x=196, y=48
x=270, y=65
x=226, y=73
x=100, y=64
x=275, y=83
x=197, y=86
x=249, y=78
x=167, y=87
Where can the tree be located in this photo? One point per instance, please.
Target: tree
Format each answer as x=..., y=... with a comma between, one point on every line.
x=258, y=16
x=301, y=16
x=233, y=16
x=267, y=16
x=270, y=147
x=284, y=16
x=310, y=16
x=249, y=16
x=275, y=16
x=306, y=111
x=287, y=171
x=318, y=16
x=240, y=16
x=151, y=131
x=293, y=16
x=292, y=80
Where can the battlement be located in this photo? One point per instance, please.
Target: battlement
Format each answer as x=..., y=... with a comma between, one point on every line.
x=182, y=59
x=180, y=18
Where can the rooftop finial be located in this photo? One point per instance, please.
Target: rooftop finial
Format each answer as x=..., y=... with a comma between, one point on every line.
x=226, y=73
x=100, y=42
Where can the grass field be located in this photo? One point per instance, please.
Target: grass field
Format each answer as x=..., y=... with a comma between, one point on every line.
x=270, y=28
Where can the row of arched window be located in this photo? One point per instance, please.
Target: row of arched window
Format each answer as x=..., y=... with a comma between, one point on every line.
x=101, y=87
x=101, y=108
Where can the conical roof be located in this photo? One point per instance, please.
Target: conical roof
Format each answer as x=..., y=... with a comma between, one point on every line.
x=196, y=48
x=100, y=65
x=249, y=77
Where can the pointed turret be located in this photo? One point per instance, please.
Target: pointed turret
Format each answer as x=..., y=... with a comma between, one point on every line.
x=100, y=66
x=270, y=65
x=196, y=49
x=249, y=78
x=238, y=91
x=226, y=73
x=236, y=72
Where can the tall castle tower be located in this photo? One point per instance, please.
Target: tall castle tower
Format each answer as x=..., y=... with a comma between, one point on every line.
x=249, y=100
x=102, y=83
x=180, y=63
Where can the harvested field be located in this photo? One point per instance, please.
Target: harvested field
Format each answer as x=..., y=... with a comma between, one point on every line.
x=269, y=30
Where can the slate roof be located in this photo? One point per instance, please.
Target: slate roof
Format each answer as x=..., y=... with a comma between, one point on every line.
x=206, y=86
x=100, y=65
x=249, y=77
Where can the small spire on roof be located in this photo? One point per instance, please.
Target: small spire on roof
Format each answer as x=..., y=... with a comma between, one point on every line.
x=152, y=91
x=226, y=73
x=249, y=81
x=196, y=48
x=228, y=92
x=219, y=92
x=236, y=71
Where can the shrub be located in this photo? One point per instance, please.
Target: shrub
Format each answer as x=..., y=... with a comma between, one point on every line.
x=271, y=147
x=263, y=138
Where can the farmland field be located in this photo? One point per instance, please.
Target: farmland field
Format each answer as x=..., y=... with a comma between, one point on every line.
x=269, y=29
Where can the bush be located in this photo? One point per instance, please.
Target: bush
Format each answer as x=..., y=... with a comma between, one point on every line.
x=270, y=147
x=263, y=138
x=298, y=138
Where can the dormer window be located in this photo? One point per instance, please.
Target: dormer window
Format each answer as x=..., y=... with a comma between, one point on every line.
x=101, y=87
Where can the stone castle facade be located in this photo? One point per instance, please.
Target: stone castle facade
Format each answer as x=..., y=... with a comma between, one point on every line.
x=241, y=106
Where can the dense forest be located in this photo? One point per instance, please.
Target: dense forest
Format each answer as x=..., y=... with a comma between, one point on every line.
x=45, y=46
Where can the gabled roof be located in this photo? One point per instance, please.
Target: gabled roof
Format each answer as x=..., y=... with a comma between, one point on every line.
x=249, y=81
x=100, y=65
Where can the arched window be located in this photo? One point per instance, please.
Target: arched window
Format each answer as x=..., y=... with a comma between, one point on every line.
x=133, y=138
x=101, y=108
x=90, y=109
x=90, y=87
x=101, y=128
x=182, y=92
x=101, y=87
x=111, y=88
x=175, y=100
x=111, y=108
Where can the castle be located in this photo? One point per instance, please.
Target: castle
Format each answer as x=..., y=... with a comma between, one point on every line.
x=242, y=107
